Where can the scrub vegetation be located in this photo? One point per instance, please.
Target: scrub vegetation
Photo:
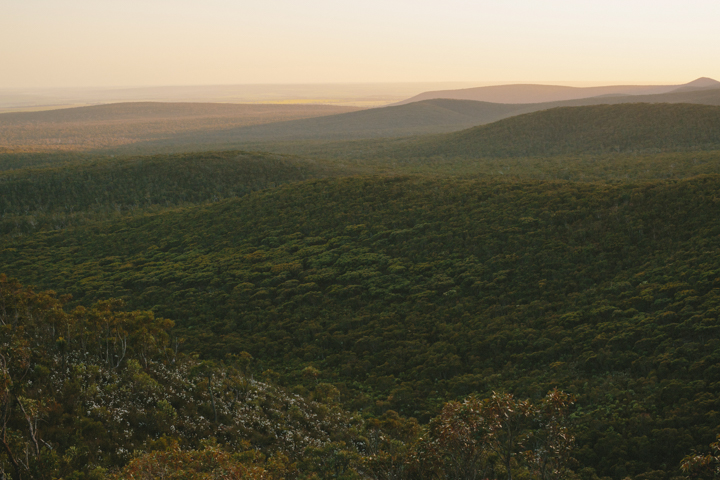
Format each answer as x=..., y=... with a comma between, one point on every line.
x=534, y=298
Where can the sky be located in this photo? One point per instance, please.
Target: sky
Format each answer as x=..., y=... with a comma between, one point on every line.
x=101, y=43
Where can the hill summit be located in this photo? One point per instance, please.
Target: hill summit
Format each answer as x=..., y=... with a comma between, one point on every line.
x=533, y=93
x=703, y=82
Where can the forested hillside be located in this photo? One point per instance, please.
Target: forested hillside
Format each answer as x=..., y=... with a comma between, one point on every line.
x=102, y=393
x=406, y=292
x=76, y=193
x=573, y=130
x=85, y=390
x=371, y=309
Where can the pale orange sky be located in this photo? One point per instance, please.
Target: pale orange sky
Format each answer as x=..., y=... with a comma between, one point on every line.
x=64, y=43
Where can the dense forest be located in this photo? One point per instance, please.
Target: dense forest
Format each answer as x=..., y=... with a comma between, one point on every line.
x=75, y=193
x=406, y=292
x=99, y=392
x=257, y=315
x=572, y=130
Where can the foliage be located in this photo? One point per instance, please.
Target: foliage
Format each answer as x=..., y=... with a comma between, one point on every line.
x=71, y=194
x=99, y=393
x=408, y=292
x=589, y=129
x=409, y=300
x=703, y=466
x=177, y=464
x=84, y=389
x=500, y=437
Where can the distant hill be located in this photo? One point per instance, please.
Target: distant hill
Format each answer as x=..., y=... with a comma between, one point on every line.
x=424, y=117
x=573, y=130
x=701, y=96
x=433, y=116
x=143, y=128
x=703, y=83
x=101, y=126
x=530, y=93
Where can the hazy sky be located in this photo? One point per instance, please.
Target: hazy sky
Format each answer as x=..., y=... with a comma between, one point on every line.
x=189, y=42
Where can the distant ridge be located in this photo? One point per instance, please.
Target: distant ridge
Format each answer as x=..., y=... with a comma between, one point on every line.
x=531, y=93
x=111, y=125
x=141, y=128
x=175, y=110
x=578, y=130
x=703, y=83
x=419, y=118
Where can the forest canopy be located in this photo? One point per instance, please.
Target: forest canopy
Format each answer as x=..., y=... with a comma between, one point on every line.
x=541, y=302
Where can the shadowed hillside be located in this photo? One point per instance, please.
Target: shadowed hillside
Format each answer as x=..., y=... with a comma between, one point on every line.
x=143, y=128
x=71, y=194
x=434, y=116
x=86, y=128
x=424, y=117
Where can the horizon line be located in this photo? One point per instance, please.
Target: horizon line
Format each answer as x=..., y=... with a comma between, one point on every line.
x=483, y=83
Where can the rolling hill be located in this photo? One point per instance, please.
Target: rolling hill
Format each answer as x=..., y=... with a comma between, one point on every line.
x=61, y=196
x=418, y=118
x=87, y=128
x=530, y=93
x=578, y=130
x=573, y=250
x=143, y=128
x=424, y=117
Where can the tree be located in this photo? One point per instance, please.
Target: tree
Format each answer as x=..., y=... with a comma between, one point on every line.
x=177, y=464
x=703, y=466
x=551, y=441
x=502, y=436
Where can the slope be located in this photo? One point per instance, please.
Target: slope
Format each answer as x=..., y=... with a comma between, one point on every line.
x=433, y=116
x=70, y=194
x=424, y=117
x=530, y=93
x=404, y=292
x=702, y=83
x=575, y=130
x=83, y=128
x=110, y=387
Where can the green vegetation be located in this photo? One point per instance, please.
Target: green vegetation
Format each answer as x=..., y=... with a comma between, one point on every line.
x=395, y=306
x=406, y=292
x=425, y=117
x=102, y=393
x=84, y=389
x=76, y=193
x=574, y=130
x=12, y=160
